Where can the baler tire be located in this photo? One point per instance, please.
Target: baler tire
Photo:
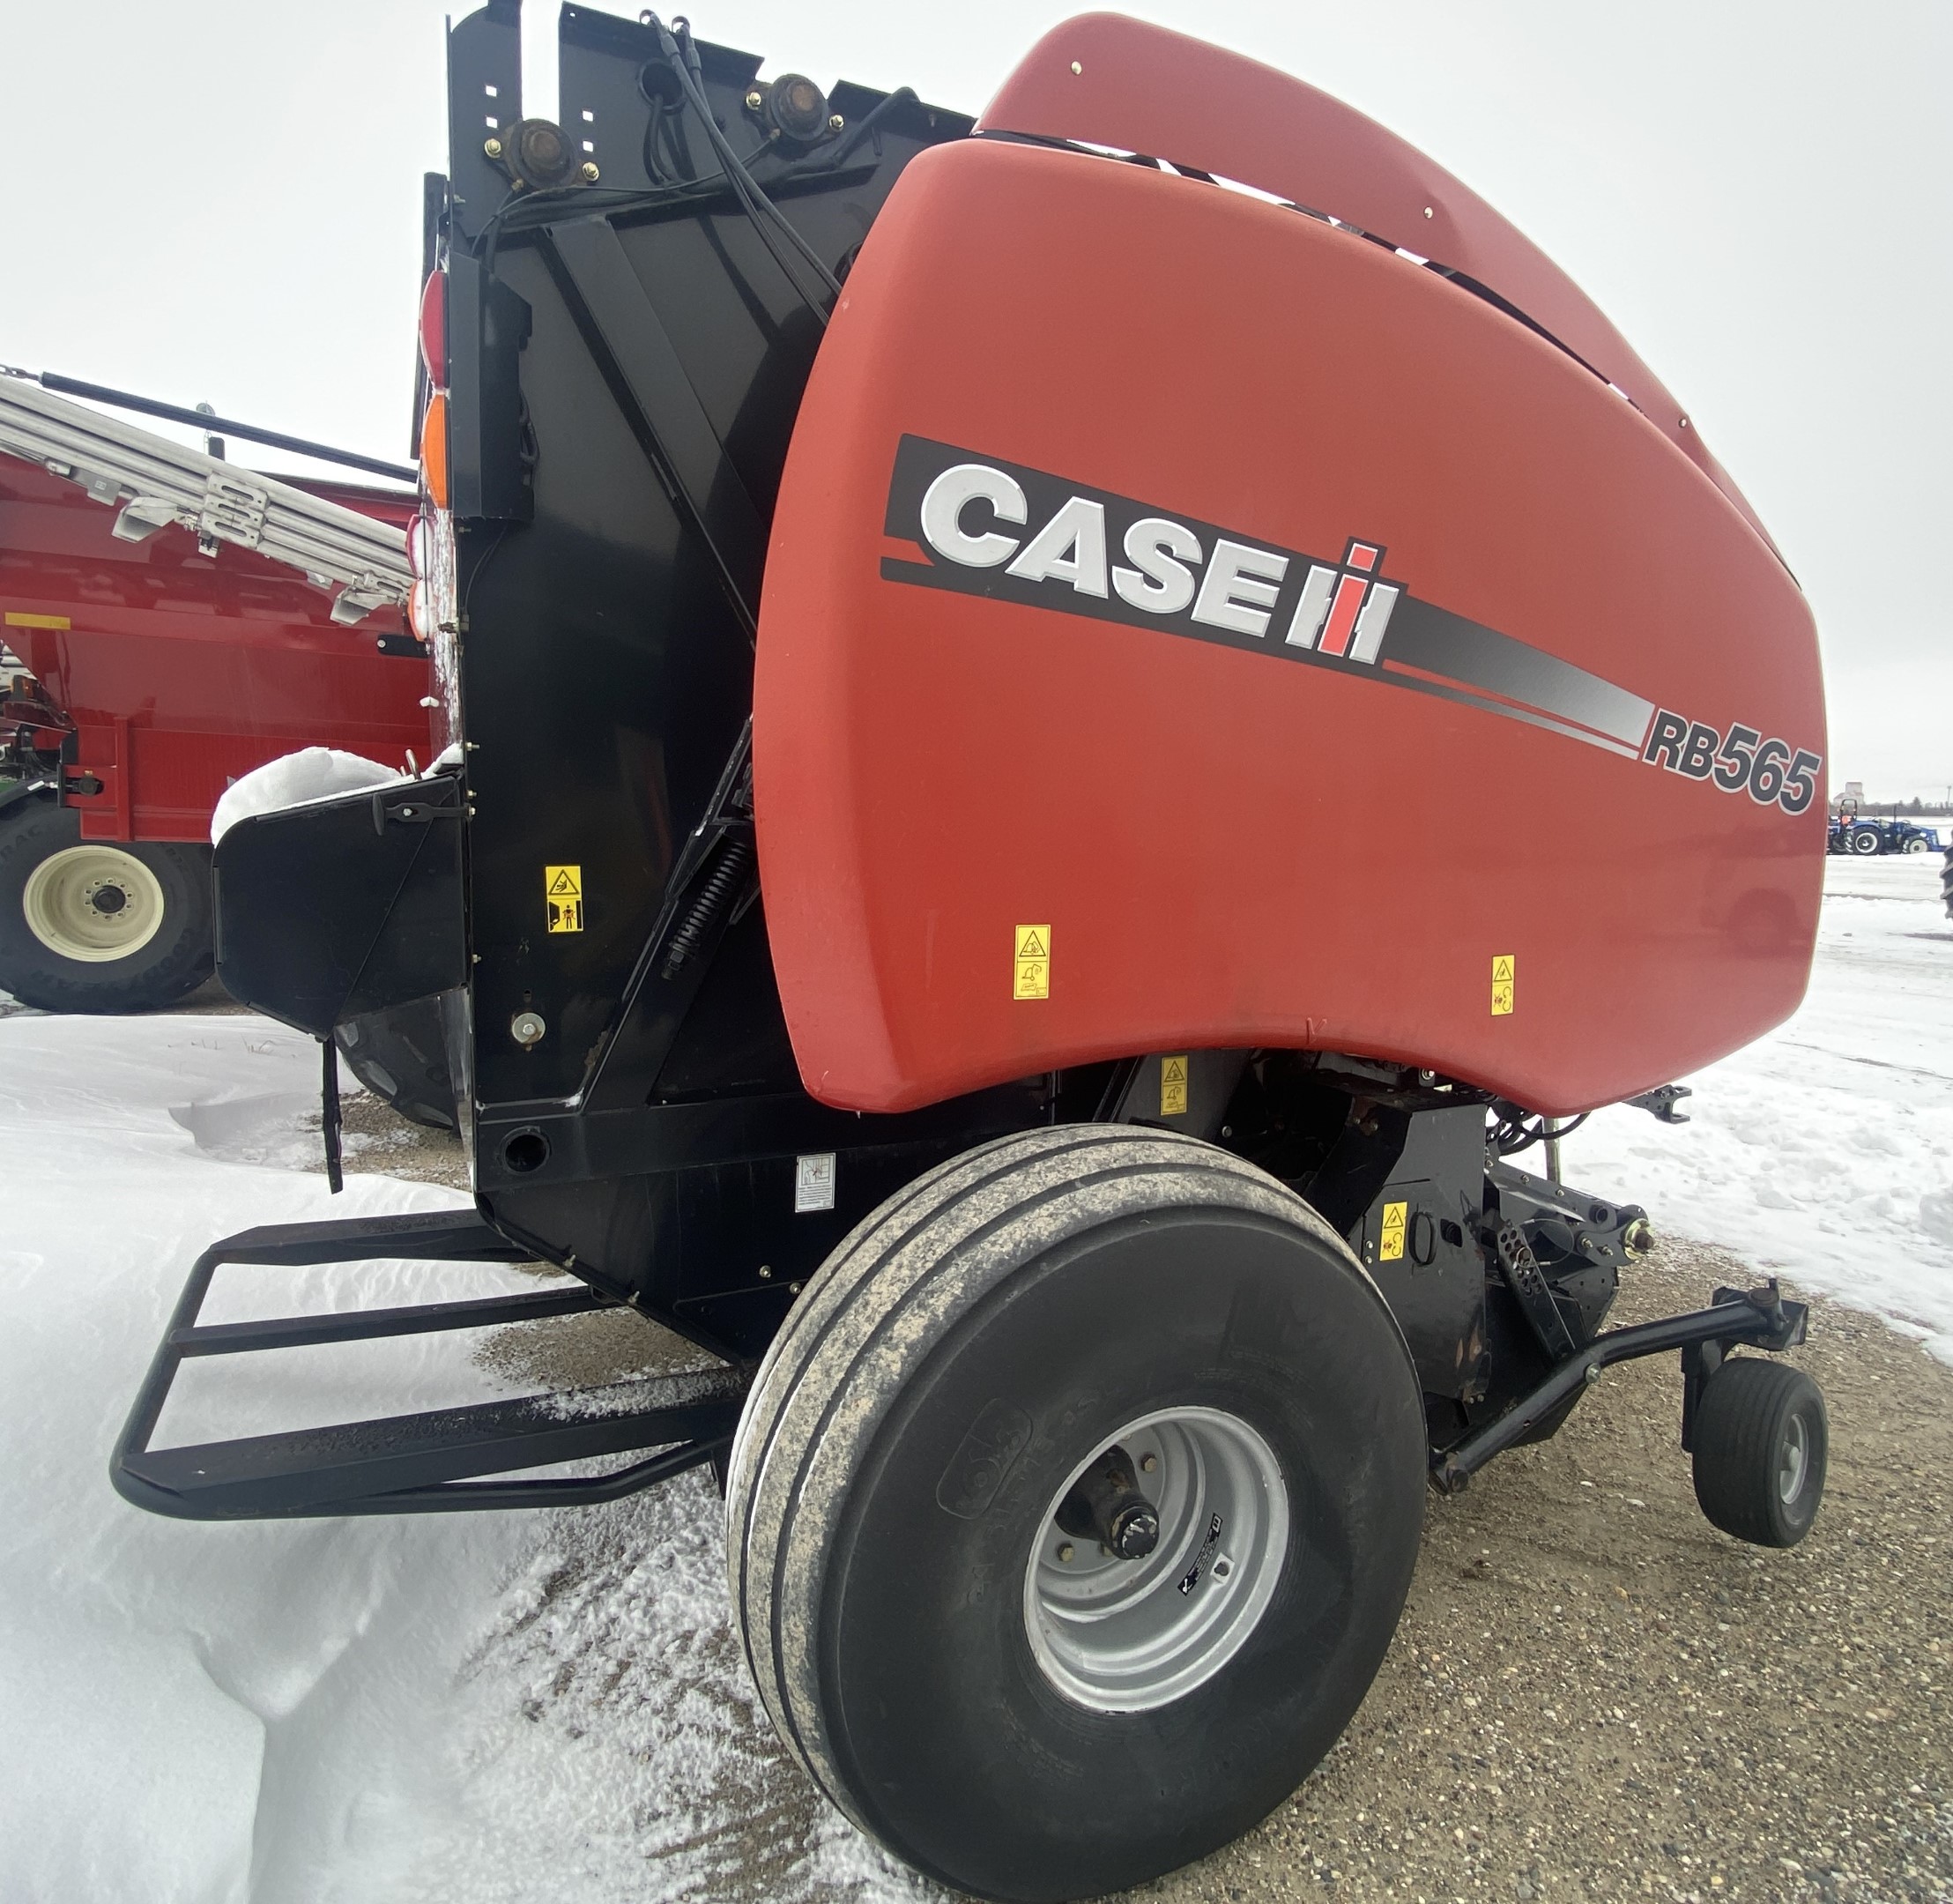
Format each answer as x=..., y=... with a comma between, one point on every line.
x=61, y=950
x=1762, y=1440
x=947, y=1377
x=401, y=1056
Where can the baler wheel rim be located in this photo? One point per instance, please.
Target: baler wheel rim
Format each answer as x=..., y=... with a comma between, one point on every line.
x=1116, y=1635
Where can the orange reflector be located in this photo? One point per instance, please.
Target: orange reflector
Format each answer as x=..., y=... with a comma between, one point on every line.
x=433, y=449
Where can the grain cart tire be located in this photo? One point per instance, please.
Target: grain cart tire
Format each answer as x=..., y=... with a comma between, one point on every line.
x=1864, y=840
x=96, y=926
x=932, y=1616
x=1761, y=1441
x=401, y=1056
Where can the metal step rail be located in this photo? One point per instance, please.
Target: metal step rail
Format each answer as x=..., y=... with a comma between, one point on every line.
x=153, y=482
x=422, y=1463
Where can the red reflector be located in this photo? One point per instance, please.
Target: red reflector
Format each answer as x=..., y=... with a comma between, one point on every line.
x=433, y=328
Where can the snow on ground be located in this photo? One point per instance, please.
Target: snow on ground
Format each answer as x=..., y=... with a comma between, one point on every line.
x=1825, y=1150
x=551, y=1708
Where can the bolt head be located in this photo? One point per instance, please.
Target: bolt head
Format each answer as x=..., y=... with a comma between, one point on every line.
x=492, y=147
x=1148, y=1463
x=527, y=1029
x=1064, y=1552
x=1076, y=67
x=836, y=123
x=754, y=99
x=590, y=174
x=766, y=1272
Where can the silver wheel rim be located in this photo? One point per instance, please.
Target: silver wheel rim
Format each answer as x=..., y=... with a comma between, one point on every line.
x=93, y=904
x=1116, y=1635
x=1793, y=1460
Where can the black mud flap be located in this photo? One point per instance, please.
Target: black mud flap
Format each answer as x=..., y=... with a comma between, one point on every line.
x=343, y=907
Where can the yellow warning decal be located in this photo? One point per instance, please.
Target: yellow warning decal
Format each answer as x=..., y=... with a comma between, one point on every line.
x=1173, y=1087
x=1390, y=1245
x=1032, y=963
x=563, y=890
x=38, y=620
x=1502, y=985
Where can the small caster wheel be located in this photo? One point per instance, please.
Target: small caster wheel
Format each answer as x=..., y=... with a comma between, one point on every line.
x=1761, y=1438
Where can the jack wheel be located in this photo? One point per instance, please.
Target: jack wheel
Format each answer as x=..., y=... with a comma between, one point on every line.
x=1073, y=1509
x=89, y=926
x=1762, y=1437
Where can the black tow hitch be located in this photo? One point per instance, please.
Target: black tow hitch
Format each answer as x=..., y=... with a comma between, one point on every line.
x=1107, y=1506
x=1759, y=1318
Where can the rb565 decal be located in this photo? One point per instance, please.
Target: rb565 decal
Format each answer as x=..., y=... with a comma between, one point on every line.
x=1738, y=761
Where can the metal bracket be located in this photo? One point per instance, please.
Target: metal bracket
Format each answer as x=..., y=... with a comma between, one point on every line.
x=1521, y=1270
x=1661, y=1101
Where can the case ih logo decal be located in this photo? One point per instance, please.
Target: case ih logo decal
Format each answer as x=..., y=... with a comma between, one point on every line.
x=1001, y=530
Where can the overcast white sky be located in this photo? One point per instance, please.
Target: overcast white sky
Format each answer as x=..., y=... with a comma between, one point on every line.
x=220, y=200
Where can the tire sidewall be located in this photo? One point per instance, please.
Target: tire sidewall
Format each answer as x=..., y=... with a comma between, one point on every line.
x=176, y=960
x=923, y=1625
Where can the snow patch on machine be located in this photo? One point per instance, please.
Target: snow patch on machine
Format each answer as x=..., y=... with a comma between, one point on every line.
x=313, y=773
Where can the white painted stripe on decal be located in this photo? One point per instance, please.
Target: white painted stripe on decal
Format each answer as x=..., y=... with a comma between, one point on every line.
x=1314, y=604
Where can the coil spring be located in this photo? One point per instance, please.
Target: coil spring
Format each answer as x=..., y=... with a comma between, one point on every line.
x=721, y=886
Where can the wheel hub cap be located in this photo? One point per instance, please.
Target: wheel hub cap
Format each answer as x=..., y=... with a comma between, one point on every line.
x=1116, y=1633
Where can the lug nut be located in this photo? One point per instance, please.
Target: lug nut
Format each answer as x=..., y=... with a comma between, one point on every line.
x=1148, y=1463
x=1064, y=1552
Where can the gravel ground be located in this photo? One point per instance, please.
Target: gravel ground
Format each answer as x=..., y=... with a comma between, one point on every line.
x=1593, y=1692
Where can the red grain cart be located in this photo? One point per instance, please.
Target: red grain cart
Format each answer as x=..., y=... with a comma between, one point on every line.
x=156, y=672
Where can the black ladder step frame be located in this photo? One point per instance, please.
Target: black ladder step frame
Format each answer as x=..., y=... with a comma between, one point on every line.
x=428, y=1462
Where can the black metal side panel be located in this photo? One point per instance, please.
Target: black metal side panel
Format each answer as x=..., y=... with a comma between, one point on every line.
x=627, y=356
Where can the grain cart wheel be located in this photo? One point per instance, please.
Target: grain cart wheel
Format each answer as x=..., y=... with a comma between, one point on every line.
x=401, y=1056
x=89, y=926
x=1073, y=1508
x=1761, y=1438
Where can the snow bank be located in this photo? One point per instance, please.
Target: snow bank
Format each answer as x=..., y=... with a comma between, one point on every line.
x=313, y=773
x=1824, y=1150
